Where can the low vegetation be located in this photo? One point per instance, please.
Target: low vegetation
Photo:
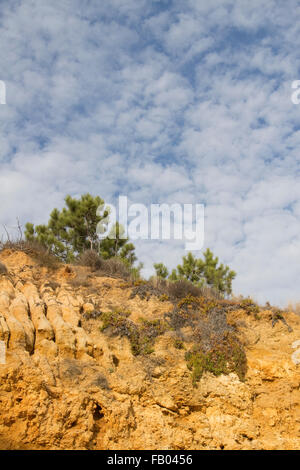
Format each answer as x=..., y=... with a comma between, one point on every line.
x=91, y=259
x=215, y=346
x=225, y=355
x=200, y=327
x=178, y=344
x=141, y=336
x=206, y=272
x=250, y=307
x=34, y=249
x=278, y=315
x=114, y=267
x=182, y=288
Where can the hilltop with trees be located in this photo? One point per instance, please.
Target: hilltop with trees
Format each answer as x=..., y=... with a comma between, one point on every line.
x=72, y=231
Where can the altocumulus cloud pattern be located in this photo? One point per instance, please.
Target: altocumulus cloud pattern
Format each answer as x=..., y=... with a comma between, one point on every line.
x=163, y=101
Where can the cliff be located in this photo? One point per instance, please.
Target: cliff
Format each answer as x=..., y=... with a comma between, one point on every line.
x=69, y=381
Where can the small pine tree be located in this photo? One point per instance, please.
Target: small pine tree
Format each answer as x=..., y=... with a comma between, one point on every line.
x=205, y=272
x=220, y=277
x=73, y=230
x=191, y=268
x=116, y=245
x=173, y=276
x=161, y=270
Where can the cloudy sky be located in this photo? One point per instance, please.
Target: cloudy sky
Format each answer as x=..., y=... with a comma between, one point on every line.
x=162, y=101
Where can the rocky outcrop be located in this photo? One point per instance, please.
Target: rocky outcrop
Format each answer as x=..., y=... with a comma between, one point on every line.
x=66, y=384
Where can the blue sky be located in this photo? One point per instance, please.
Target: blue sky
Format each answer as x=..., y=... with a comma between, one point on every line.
x=162, y=101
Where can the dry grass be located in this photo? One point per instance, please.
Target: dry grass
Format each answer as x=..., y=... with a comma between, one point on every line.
x=182, y=288
x=114, y=267
x=91, y=259
x=171, y=291
x=293, y=307
x=37, y=251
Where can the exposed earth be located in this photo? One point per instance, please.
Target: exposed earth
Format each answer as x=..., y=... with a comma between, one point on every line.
x=68, y=383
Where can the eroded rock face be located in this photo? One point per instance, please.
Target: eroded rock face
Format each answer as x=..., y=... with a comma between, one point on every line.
x=67, y=385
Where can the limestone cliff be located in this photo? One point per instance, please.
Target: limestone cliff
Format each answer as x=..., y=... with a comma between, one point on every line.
x=67, y=384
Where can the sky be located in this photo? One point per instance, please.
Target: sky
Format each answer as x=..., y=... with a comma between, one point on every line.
x=162, y=101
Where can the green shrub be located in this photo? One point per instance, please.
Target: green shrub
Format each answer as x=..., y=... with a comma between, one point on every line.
x=142, y=337
x=224, y=357
x=178, y=344
x=164, y=298
x=189, y=301
x=140, y=282
x=216, y=348
x=250, y=307
x=144, y=289
x=277, y=315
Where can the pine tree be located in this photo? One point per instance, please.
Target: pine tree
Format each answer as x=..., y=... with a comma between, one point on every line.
x=174, y=275
x=73, y=230
x=116, y=245
x=161, y=270
x=205, y=272
x=190, y=269
x=220, y=277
